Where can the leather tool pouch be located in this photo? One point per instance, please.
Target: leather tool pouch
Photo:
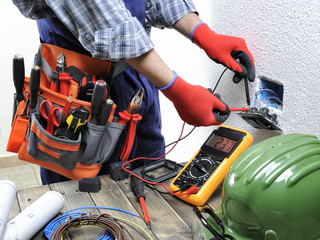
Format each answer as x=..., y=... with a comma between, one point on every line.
x=76, y=158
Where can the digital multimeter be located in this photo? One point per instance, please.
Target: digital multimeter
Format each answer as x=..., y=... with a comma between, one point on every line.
x=210, y=164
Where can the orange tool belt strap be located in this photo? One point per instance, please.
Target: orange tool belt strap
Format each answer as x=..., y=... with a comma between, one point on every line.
x=19, y=128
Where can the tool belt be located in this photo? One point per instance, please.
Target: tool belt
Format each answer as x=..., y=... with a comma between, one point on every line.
x=82, y=155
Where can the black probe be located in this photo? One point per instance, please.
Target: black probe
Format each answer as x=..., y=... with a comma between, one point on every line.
x=97, y=100
x=246, y=85
x=34, y=85
x=18, y=76
x=137, y=187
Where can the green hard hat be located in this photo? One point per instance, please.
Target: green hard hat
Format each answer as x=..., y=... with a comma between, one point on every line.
x=272, y=192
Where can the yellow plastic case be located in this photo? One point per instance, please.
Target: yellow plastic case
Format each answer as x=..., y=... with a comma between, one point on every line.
x=209, y=166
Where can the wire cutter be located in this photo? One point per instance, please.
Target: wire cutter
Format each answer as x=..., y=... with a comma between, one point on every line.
x=51, y=114
x=131, y=114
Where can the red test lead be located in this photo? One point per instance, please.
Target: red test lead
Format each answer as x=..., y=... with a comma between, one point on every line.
x=243, y=109
x=137, y=187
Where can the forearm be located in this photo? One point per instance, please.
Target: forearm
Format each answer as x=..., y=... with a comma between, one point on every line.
x=186, y=24
x=153, y=68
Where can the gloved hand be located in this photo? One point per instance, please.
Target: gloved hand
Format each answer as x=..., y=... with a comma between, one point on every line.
x=225, y=50
x=196, y=105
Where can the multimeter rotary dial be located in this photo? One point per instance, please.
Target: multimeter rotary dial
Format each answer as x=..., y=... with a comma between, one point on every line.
x=201, y=167
x=198, y=171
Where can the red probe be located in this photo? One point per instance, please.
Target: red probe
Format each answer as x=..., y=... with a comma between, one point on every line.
x=243, y=109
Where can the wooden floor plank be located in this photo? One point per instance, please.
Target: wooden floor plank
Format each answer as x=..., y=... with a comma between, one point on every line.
x=185, y=210
x=29, y=195
x=111, y=196
x=166, y=223
x=73, y=200
x=73, y=197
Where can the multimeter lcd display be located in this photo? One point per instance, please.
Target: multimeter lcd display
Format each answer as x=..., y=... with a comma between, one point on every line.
x=221, y=143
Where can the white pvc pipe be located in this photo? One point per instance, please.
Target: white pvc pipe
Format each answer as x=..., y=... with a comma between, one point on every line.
x=33, y=218
x=8, y=192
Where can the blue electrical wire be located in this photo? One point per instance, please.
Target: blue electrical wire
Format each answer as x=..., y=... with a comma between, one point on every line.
x=64, y=217
x=108, y=208
x=267, y=99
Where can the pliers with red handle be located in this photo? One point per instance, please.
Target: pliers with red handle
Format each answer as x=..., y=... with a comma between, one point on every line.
x=131, y=115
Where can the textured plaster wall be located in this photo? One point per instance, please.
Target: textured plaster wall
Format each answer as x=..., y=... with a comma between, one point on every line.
x=284, y=38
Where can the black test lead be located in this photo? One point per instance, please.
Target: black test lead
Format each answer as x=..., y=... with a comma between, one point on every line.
x=246, y=85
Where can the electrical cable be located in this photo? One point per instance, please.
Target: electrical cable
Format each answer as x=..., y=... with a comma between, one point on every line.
x=138, y=226
x=117, y=227
x=158, y=158
x=219, y=80
x=276, y=97
x=52, y=230
x=144, y=158
x=192, y=128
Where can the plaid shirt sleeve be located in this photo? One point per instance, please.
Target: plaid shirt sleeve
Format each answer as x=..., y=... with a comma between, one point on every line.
x=106, y=28
x=34, y=9
x=165, y=13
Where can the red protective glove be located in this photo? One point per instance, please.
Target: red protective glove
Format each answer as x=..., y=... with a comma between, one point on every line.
x=196, y=105
x=225, y=50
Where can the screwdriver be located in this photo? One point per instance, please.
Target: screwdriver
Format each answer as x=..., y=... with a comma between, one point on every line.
x=98, y=97
x=18, y=76
x=105, y=112
x=34, y=85
x=137, y=187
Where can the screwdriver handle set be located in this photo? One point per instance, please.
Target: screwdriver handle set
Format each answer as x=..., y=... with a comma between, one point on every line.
x=63, y=117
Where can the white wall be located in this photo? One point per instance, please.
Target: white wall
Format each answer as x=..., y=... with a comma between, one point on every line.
x=283, y=37
x=18, y=35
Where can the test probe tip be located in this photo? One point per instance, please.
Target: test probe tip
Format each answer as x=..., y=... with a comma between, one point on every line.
x=246, y=84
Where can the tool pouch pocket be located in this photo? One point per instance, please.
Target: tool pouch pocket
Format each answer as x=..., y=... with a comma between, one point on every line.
x=99, y=142
x=43, y=146
x=75, y=158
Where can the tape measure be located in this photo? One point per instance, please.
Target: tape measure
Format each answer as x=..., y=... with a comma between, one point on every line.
x=209, y=166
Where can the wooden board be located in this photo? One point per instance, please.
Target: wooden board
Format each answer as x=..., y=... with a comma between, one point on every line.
x=166, y=223
x=171, y=218
x=75, y=199
x=111, y=196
